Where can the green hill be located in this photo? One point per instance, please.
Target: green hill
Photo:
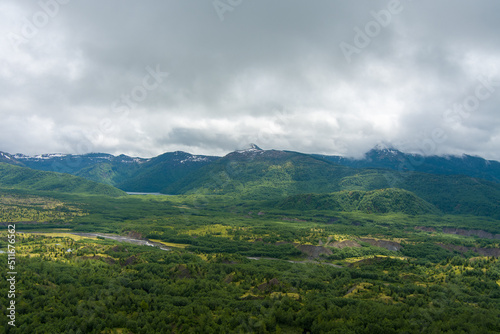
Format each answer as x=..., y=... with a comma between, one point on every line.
x=26, y=178
x=110, y=173
x=375, y=201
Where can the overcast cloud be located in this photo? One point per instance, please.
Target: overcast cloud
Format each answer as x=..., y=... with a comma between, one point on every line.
x=91, y=76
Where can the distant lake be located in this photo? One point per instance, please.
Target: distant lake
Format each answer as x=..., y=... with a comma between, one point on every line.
x=156, y=194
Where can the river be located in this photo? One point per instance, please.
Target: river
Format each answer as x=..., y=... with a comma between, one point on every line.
x=139, y=193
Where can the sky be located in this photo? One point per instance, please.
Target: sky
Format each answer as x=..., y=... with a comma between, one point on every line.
x=210, y=77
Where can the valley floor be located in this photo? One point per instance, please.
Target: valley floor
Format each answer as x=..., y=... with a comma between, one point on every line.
x=181, y=264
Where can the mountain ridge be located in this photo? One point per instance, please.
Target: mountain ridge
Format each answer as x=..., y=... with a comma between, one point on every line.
x=257, y=174
x=122, y=171
x=381, y=156
x=391, y=158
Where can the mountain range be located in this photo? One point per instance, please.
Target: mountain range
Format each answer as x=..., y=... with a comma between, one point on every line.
x=390, y=158
x=124, y=172
x=447, y=184
x=138, y=174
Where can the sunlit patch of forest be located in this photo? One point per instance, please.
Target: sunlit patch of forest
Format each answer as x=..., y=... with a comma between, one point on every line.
x=17, y=208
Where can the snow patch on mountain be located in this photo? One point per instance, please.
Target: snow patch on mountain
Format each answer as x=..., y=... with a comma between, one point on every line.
x=250, y=148
x=194, y=158
x=48, y=156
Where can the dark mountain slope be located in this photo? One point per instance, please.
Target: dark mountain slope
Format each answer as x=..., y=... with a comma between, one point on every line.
x=390, y=158
x=161, y=171
x=9, y=159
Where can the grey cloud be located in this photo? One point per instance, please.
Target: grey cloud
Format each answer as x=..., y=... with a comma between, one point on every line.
x=272, y=73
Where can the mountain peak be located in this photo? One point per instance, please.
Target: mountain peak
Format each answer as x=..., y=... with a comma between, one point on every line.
x=383, y=150
x=250, y=148
x=384, y=147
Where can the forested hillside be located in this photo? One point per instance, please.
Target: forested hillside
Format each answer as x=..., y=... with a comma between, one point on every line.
x=260, y=174
x=27, y=178
x=375, y=201
x=390, y=158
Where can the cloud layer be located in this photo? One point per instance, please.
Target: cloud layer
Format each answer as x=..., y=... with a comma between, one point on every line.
x=331, y=77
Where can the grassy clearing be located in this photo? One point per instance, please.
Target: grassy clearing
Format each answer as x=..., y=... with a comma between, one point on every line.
x=292, y=295
x=216, y=230
x=352, y=260
x=62, y=235
x=170, y=244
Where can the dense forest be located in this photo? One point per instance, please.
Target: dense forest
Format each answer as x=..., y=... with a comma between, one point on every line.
x=222, y=265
